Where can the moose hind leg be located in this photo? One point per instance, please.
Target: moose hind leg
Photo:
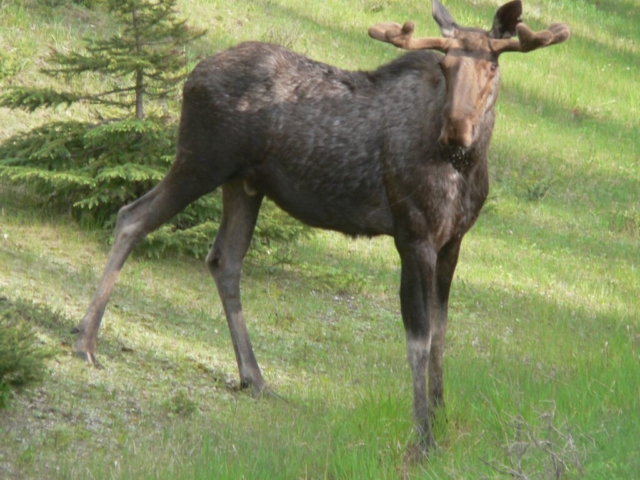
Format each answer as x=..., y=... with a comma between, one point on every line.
x=239, y=215
x=135, y=221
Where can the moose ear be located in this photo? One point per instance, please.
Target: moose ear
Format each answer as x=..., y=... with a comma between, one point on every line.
x=506, y=19
x=443, y=18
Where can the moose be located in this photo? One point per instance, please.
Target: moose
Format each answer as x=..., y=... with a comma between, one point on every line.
x=399, y=151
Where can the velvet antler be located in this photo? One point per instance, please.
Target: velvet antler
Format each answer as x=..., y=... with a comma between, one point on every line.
x=506, y=23
x=402, y=37
x=529, y=40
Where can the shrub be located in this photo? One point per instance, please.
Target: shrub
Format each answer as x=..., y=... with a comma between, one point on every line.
x=22, y=356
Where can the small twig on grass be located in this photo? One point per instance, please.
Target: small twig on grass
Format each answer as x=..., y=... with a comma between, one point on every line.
x=541, y=450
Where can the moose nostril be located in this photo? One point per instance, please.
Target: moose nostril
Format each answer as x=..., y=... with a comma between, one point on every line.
x=463, y=141
x=457, y=142
x=458, y=134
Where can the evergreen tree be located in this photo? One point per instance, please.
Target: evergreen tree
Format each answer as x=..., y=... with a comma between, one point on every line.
x=94, y=168
x=144, y=59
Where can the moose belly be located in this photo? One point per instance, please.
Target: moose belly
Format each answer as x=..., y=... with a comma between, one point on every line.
x=326, y=195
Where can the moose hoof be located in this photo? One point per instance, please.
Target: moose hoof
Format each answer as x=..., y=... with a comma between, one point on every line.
x=253, y=382
x=84, y=348
x=88, y=357
x=419, y=451
x=258, y=389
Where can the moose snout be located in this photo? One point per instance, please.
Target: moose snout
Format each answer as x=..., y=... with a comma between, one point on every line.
x=457, y=133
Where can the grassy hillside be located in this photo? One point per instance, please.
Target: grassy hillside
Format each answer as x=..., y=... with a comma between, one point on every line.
x=542, y=368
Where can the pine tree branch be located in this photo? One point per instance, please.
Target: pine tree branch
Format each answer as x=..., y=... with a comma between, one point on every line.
x=30, y=99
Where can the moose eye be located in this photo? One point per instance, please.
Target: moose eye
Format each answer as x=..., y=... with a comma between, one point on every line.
x=494, y=67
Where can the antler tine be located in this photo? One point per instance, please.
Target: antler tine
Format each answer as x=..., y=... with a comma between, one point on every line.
x=529, y=40
x=379, y=31
x=402, y=37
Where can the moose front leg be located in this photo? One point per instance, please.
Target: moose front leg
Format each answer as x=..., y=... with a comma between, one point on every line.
x=445, y=267
x=416, y=300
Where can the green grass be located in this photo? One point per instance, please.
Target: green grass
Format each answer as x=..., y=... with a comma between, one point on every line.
x=544, y=336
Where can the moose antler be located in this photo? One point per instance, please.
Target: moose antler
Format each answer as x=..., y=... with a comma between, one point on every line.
x=529, y=40
x=402, y=37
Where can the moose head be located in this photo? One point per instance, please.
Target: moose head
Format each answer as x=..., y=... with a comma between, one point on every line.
x=470, y=63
